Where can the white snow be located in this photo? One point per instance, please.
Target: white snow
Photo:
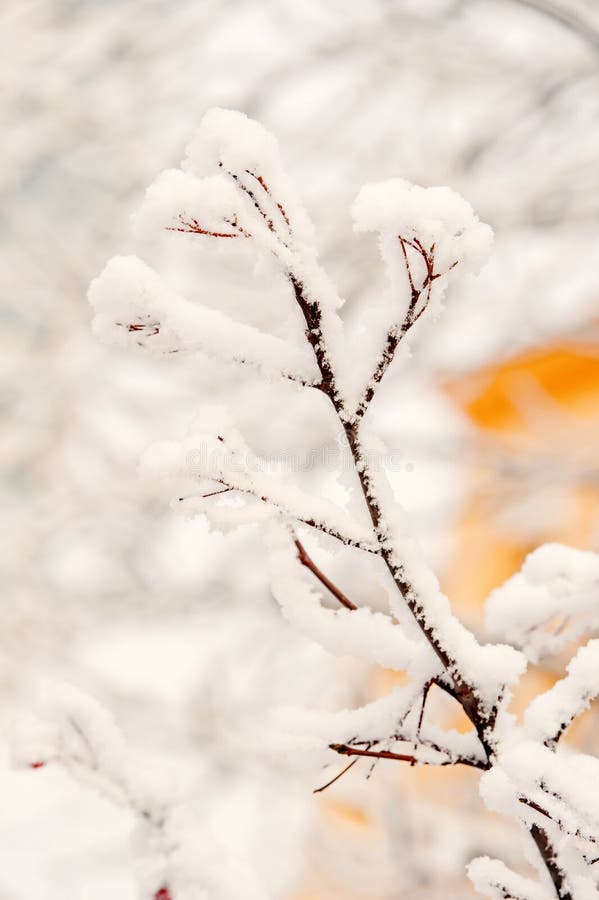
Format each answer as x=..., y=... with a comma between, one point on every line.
x=134, y=307
x=494, y=879
x=436, y=216
x=177, y=197
x=549, y=713
x=362, y=633
x=549, y=603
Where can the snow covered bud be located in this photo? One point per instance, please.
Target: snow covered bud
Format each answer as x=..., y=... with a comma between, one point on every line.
x=435, y=219
x=425, y=236
x=232, y=141
x=247, y=156
x=128, y=298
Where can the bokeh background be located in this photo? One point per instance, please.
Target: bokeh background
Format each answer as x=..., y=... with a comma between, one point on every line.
x=496, y=413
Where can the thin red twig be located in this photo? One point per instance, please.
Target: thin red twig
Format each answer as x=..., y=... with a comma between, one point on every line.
x=306, y=560
x=336, y=778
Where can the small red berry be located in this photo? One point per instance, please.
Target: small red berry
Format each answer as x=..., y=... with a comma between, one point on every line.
x=163, y=893
x=38, y=765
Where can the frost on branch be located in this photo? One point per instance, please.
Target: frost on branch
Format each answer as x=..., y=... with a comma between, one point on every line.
x=549, y=603
x=552, y=789
x=72, y=730
x=489, y=669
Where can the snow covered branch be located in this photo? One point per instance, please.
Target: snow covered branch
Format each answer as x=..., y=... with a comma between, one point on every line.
x=135, y=308
x=425, y=753
x=232, y=189
x=224, y=462
x=550, y=714
x=72, y=730
x=424, y=234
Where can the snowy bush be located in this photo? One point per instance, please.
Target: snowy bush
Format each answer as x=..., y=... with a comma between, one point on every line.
x=233, y=194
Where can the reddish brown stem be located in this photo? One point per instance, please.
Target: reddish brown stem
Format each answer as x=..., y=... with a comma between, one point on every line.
x=336, y=778
x=350, y=750
x=547, y=851
x=309, y=563
x=346, y=750
x=193, y=230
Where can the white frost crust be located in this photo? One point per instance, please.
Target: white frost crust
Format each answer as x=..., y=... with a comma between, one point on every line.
x=549, y=603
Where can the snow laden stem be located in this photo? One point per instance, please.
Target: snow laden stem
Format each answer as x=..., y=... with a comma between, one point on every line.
x=233, y=191
x=433, y=618
x=464, y=691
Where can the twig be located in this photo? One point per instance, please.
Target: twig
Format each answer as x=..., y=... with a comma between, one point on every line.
x=425, y=692
x=399, y=330
x=266, y=189
x=192, y=226
x=336, y=778
x=311, y=523
x=310, y=564
x=350, y=750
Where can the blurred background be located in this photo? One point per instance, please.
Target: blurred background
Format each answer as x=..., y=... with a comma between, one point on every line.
x=496, y=414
